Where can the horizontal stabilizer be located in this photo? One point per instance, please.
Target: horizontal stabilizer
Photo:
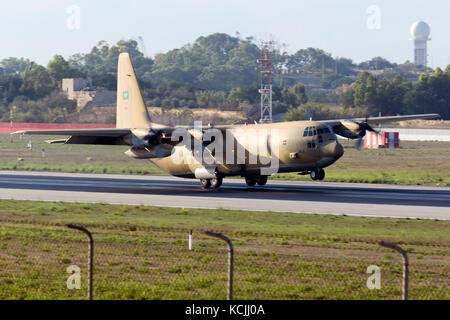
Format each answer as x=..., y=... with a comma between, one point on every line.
x=109, y=132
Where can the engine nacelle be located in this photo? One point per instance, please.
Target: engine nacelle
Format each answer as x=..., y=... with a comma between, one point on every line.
x=160, y=151
x=140, y=153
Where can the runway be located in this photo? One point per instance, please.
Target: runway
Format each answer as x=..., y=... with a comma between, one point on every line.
x=280, y=196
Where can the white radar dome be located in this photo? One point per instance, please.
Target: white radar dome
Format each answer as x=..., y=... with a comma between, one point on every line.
x=420, y=31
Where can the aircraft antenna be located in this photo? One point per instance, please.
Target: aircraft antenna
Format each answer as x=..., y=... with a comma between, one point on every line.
x=266, y=81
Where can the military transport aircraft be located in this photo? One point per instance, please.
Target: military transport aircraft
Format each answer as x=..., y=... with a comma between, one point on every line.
x=210, y=153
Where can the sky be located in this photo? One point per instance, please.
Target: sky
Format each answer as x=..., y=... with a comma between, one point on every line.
x=356, y=29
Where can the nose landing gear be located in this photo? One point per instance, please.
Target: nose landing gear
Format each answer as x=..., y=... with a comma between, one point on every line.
x=317, y=174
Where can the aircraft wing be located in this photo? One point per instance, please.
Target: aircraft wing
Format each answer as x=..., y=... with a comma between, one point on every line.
x=356, y=128
x=378, y=120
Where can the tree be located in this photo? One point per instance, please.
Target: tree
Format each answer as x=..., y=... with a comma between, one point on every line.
x=105, y=80
x=364, y=92
x=248, y=94
x=14, y=65
x=310, y=60
x=430, y=95
x=318, y=112
x=37, y=83
x=344, y=66
x=377, y=63
x=102, y=58
x=295, y=95
x=332, y=81
x=9, y=87
x=59, y=68
x=217, y=62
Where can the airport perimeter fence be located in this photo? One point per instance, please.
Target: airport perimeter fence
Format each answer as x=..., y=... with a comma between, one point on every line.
x=51, y=261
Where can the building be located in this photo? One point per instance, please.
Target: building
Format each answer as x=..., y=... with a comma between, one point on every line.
x=420, y=34
x=82, y=91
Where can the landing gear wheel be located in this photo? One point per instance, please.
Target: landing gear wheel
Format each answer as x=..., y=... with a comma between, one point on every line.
x=321, y=174
x=205, y=183
x=216, y=182
x=314, y=174
x=262, y=180
x=250, y=181
x=317, y=174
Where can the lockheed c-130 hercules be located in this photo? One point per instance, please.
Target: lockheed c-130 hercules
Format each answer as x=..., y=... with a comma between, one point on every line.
x=210, y=153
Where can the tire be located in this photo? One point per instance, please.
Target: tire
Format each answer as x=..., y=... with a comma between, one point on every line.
x=262, y=180
x=321, y=174
x=205, y=183
x=250, y=181
x=314, y=174
x=216, y=182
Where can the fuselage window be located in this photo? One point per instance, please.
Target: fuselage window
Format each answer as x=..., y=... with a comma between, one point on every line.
x=311, y=144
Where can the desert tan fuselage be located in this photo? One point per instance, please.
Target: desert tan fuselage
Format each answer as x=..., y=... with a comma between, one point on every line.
x=296, y=152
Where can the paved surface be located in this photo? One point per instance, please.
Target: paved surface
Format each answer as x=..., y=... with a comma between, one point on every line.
x=283, y=196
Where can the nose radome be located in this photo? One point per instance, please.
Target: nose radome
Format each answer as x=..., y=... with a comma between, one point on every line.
x=333, y=149
x=338, y=150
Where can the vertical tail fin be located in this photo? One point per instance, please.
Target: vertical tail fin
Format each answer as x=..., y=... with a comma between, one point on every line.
x=131, y=109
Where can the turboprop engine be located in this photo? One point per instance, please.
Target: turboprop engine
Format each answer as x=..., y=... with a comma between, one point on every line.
x=148, y=144
x=354, y=130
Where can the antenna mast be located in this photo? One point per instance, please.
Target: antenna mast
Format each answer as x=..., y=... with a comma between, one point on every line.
x=266, y=81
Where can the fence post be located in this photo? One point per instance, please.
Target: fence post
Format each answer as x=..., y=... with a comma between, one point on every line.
x=91, y=255
x=405, y=265
x=230, y=260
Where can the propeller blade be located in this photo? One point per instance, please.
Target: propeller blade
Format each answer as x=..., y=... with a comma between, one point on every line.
x=358, y=143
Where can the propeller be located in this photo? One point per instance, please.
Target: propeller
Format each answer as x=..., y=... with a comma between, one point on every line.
x=363, y=128
x=149, y=140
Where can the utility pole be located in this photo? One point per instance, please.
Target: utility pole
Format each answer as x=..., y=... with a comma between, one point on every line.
x=11, y=120
x=143, y=48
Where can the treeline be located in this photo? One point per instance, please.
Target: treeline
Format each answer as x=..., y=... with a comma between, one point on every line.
x=369, y=96
x=221, y=71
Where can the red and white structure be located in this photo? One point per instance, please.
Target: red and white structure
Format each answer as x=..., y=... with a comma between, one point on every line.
x=266, y=81
x=373, y=140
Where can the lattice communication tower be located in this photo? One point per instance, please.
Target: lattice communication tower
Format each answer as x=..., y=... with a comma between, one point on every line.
x=266, y=81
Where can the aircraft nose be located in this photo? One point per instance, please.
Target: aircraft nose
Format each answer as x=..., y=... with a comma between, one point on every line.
x=338, y=150
x=333, y=150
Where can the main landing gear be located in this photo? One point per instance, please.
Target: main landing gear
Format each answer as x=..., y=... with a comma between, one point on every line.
x=214, y=183
x=317, y=174
x=260, y=180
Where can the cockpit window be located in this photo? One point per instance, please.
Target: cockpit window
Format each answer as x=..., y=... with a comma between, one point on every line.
x=310, y=131
x=305, y=134
x=323, y=130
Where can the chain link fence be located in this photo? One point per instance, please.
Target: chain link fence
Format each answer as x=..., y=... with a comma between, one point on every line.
x=50, y=261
